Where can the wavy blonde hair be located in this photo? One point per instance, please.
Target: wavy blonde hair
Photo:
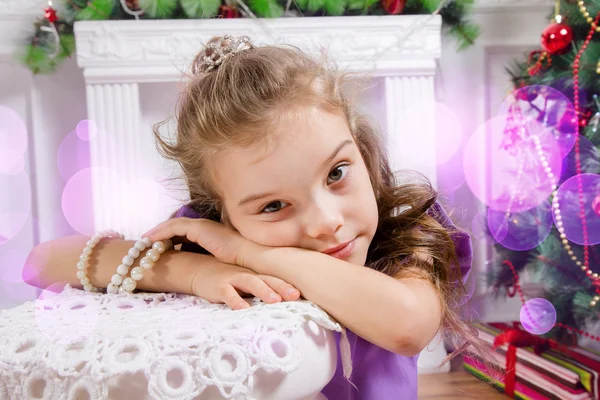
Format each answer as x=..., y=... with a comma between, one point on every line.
x=241, y=103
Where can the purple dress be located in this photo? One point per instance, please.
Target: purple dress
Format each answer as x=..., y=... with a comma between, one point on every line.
x=378, y=374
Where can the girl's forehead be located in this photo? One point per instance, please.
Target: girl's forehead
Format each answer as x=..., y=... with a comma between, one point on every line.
x=299, y=148
x=310, y=135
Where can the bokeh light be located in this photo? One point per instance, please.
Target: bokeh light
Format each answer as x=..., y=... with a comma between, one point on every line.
x=570, y=210
x=521, y=231
x=13, y=139
x=73, y=156
x=548, y=107
x=34, y=265
x=590, y=160
x=479, y=226
x=15, y=208
x=450, y=175
x=145, y=194
x=12, y=261
x=77, y=202
x=510, y=175
x=17, y=168
x=77, y=199
x=422, y=116
x=86, y=130
x=538, y=316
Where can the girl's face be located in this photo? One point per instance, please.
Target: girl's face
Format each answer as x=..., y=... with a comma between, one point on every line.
x=309, y=188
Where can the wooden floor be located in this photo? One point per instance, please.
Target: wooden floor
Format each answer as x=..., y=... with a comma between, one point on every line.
x=457, y=385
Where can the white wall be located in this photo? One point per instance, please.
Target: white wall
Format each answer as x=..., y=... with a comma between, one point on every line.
x=50, y=106
x=15, y=82
x=471, y=83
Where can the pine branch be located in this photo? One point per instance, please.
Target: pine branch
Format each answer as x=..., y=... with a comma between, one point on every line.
x=465, y=34
x=200, y=8
x=158, y=9
x=96, y=10
x=266, y=8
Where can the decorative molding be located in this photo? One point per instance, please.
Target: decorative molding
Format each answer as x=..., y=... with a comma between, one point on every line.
x=511, y=5
x=162, y=49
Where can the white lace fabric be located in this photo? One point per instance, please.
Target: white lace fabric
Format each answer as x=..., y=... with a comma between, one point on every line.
x=73, y=343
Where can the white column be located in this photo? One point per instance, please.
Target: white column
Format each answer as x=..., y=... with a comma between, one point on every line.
x=115, y=108
x=411, y=143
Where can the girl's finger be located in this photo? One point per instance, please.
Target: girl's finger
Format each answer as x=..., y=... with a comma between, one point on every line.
x=157, y=227
x=180, y=239
x=231, y=297
x=254, y=285
x=177, y=227
x=152, y=231
x=285, y=290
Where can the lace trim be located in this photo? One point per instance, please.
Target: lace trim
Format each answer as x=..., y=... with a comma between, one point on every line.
x=91, y=338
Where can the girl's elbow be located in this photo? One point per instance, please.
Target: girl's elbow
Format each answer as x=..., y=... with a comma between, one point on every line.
x=407, y=346
x=32, y=272
x=413, y=334
x=413, y=338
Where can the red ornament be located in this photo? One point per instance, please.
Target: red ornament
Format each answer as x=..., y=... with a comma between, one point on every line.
x=50, y=14
x=229, y=12
x=556, y=38
x=596, y=205
x=584, y=117
x=393, y=6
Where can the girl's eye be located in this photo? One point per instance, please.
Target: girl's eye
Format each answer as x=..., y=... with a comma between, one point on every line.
x=273, y=207
x=338, y=173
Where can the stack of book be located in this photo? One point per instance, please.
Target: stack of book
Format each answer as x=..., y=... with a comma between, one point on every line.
x=557, y=372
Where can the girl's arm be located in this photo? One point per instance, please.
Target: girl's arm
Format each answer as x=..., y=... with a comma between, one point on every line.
x=400, y=315
x=56, y=261
x=175, y=271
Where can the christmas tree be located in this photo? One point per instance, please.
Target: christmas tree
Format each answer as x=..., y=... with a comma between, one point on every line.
x=544, y=213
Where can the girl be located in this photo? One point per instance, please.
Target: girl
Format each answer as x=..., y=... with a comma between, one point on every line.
x=291, y=194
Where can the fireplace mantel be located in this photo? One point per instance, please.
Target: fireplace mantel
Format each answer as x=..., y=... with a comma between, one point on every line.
x=118, y=56
x=157, y=50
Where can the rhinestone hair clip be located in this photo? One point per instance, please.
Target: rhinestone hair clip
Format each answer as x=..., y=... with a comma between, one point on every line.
x=217, y=51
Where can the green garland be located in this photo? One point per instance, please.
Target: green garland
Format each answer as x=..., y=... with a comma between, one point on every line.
x=549, y=264
x=36, y=53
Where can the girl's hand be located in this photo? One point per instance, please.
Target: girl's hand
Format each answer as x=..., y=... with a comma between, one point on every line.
x=219, y=282
x=223, y=242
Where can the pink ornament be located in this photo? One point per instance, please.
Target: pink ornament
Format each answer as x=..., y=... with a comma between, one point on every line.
x=596, y=205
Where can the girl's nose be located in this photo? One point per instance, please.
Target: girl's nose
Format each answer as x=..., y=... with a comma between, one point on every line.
x=324, y=222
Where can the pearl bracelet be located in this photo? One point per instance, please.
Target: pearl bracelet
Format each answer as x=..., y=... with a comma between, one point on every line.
x=120, y=283
x=84, y=259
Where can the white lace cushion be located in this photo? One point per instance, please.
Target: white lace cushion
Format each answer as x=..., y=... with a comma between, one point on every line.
x=163, y=346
